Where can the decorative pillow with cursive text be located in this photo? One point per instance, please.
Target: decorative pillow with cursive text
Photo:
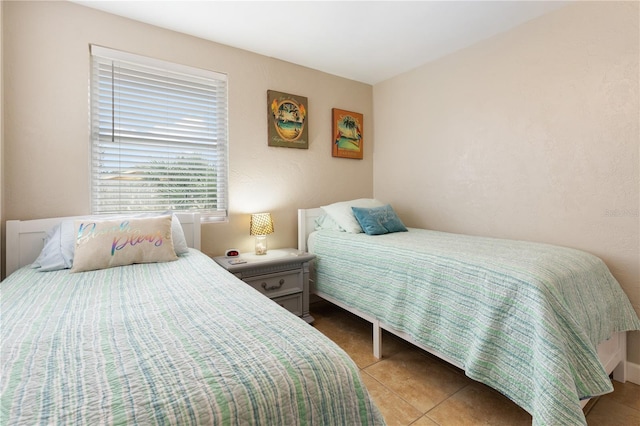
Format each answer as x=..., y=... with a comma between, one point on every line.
x=104, y=244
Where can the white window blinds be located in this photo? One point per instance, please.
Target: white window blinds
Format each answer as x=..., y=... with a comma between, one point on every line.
x=159, y=136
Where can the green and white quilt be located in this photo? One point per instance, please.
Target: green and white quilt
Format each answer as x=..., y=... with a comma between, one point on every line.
x=177, y=343
x=524, y=318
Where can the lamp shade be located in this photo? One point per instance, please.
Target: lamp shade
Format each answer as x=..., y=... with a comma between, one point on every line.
x=261, y=224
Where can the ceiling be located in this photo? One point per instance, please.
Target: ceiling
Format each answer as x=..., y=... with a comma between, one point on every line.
x=367, y=41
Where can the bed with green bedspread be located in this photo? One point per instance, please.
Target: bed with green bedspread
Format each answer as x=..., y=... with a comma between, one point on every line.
x=521, y=317
x=181, y=343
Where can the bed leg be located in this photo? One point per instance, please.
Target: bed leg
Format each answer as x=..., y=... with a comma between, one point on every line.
x=620, y=371
x=377, y=340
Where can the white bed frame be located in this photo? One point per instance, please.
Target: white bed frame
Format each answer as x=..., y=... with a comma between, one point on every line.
x=25, y=238
x=612, y=353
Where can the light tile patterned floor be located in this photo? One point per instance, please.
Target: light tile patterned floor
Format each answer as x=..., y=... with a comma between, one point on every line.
x=411, y=387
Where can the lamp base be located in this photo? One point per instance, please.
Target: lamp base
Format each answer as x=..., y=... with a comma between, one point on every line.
x=261, y=244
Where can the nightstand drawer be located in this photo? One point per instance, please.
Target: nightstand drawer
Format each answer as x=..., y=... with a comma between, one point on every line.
x=291, y=303
x=276, y=285
x=282, y=275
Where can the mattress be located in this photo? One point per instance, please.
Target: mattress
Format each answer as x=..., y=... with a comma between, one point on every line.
x=182, y=342
x=521, y=317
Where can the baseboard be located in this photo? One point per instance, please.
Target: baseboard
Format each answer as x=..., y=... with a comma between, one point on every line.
x=633, y=373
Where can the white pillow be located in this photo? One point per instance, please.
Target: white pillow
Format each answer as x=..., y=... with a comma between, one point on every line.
x=57, y=252
x=342, y=214
x=102, y=244
x=325, y=222
x=59, y=245
x=177, y=235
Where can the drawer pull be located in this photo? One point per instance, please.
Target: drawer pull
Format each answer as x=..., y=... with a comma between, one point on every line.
x=273, y=287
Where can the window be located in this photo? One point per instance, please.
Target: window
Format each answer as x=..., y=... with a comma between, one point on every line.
x=159, y=136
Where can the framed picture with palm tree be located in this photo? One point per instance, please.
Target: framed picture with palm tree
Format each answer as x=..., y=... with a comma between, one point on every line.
x=288, y=121
x=347, y=131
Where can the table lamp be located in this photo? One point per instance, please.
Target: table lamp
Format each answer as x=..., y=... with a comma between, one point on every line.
x=261, y=226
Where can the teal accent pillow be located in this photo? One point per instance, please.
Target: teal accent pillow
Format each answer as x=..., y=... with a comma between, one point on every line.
x=378, y=220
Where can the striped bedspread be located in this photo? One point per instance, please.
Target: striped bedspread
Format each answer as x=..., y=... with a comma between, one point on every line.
x=521, y=317
x=179, y=343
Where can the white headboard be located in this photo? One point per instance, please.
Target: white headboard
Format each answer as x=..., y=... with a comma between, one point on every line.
x=25, y=238
x=306, y=225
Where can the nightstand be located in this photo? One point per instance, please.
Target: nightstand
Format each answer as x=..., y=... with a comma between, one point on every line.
x=282, y=275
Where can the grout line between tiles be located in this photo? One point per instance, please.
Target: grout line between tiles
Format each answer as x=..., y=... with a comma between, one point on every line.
x=399, y=397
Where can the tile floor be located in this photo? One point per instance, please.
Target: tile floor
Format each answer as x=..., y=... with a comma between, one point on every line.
x=411, y=387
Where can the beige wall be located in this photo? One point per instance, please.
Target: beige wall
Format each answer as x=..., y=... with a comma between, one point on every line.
x=46, y=77
x=532, y=134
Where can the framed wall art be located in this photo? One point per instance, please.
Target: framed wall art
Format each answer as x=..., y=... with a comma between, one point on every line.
x=348, y=138
x=287, y=120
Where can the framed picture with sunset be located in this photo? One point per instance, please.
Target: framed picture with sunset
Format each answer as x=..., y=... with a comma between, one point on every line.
x=347, y=134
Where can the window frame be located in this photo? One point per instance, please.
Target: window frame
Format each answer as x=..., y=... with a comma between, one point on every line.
x=216, y=136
